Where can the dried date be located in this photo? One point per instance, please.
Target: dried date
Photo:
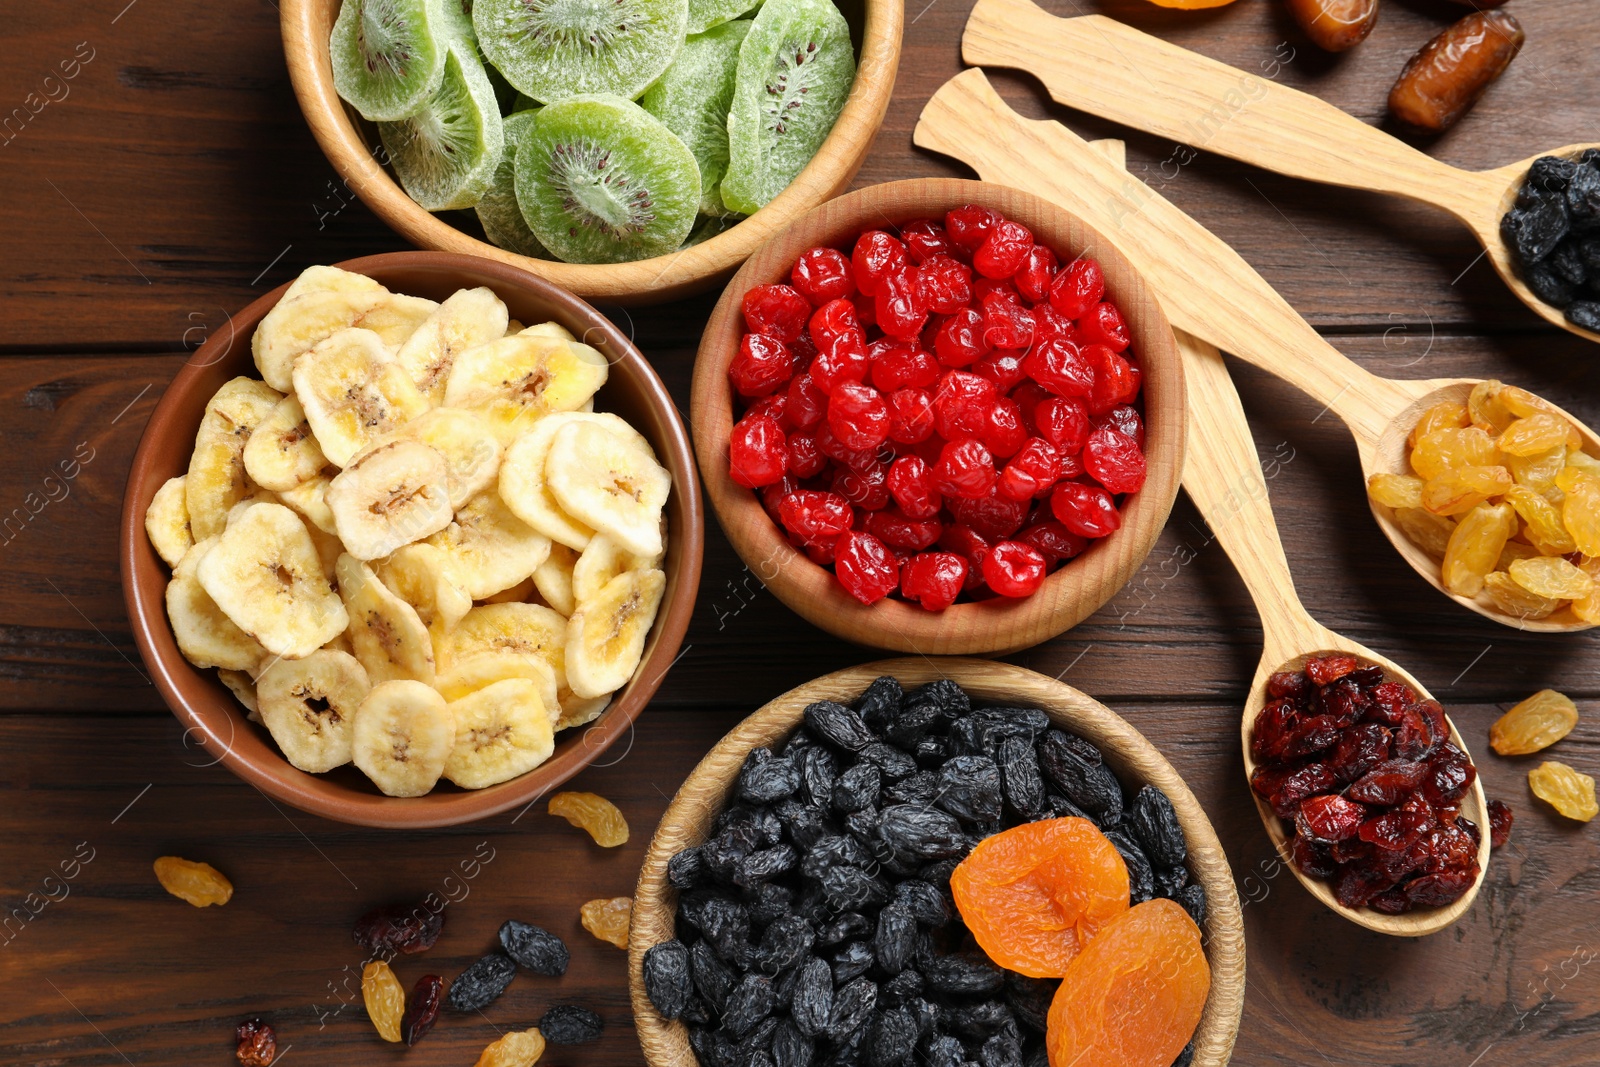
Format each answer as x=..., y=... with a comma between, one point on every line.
x=1335, y=25
x=1447, y=76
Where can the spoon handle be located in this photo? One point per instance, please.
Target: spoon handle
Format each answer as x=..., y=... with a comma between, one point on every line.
x=1106, y=68
x=1204, y=286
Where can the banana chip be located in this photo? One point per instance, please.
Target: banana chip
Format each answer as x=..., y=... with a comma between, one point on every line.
x=525, y=488
x=389, y=496
x=471, y=317
x=216, y=480
x=602, y=561
x=282, y=452
x=486, y=668
x=514, y=381
x=404, y=733
x=386, y=633
x=426, y=578
x=353, y=392
x=553, y=578
x=309, y=707
x=490, y=547
x=166, y=521
x=301, y=321
x=502, y=730
x=205, y=635
x=526, y=629
x=606, y=635
x=602, y=479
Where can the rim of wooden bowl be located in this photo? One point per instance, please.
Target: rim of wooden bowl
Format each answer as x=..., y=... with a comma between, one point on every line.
x=306, y=25
x=210, y=713
x=998, y=625
x=705, y=791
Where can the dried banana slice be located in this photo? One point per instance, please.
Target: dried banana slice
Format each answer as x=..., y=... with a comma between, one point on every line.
x=514, y=381
x=486, y=668
x=309, y=706
x=264, y=573
x=549, y=329
x=513, y=327
x=525, y=488
x=580, y=711
x=299, y=323
x=502, y=730
x=602, y=479
x=403, y=735
x=166, y=521
x=282, y=451
x=354, y=392
x=606, y=635
x=469, y=318
x=514, y=594
x=216, y=480
x=526, y=629
x=491, y=548
x=310, y=499
x=386, y=634
x=602, y=561
x=389, y=496
x=323, y=279
x=205, y=635
x=243, y=688
x=426, y=578
x=553, y=578
x=470, y=449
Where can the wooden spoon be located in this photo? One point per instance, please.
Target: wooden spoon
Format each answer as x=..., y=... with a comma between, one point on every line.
x=1223, y=476
x=1207, y=289
x=1101, y=66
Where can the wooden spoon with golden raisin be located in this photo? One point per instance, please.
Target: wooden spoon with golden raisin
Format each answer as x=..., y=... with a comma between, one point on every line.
x=1109, y=69
x=1223, y=476
x=1209, y=290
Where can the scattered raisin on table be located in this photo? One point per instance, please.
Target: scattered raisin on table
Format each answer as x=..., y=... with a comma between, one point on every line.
x=1534, y=724
x=594, y=813
x=568, y=1024
x=519, y=1048
x=384, y=997
x=608, y=918
x=401, y=929
x=193, y=882
x=481, y=983
x=1500, y=819
x=422, y=1009
x=534, y=948
x=257, y=1045
x=1563, y=788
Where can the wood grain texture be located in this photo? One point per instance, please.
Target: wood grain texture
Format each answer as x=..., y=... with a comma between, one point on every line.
x=688, y=822
x=1069, y=594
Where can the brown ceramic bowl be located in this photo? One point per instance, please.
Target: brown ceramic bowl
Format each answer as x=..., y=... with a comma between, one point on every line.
x=209, y=711
x=689, y=817
x=349, y=142
x=997, y=625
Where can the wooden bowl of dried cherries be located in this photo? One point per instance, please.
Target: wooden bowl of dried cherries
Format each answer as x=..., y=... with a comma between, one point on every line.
x=940, y=416
x=941, y=862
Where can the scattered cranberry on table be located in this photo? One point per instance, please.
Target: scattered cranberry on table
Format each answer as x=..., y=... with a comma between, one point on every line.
x=941, y=410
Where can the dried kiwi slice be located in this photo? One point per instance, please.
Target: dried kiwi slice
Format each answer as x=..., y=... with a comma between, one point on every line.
x=388, y=55
x=704, y=14
x=600, y=180
x=446, y=153
x=795, y=70
x=692, y=97
x=498, y=212
x=553, y=49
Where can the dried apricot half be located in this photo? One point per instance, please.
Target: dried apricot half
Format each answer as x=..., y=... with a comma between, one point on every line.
x=1134, y=995
x=1034, y=895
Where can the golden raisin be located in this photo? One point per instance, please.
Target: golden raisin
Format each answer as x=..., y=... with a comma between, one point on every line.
x=1543, y=520
x=1514, y=551
x=1487, y=409
x=1534, y=434
x=1475, y=547
x=1588, y=609
x=1552, y=576
x=1535, y=724
x=1570, y=793
x=608, y=918
x=1521, y=403
x=1582, y=461
x=197, y=883
x=1538, y=471
x=1395, y=490
x=1580, y=511
x=1443, y=451
x=385, y=999
x=1512, y=599
x=1445, y=416
x=520, y=1048
x=594, y=813
x=1458, y=491
x=1427, y=531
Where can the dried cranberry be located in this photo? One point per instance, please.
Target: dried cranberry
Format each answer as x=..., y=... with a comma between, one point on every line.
x=1077, y=288
x=803, y=458
x=1395, y=830
x=1064, y=423
x=865, y=484
x=1355, y=886
x=1114, y=460
x=1032, y=470
x=965, y=469
x=933, y=579
x=776, y=310
x=924, y=239
x=944, y=285
x=901, y=366
x=1360, y=749
x=877, y=255
x=1014, y=569
x=1500, y=819
x=1006, y=323
x=1388, y=782
x=1441, y=889
x=1325, y=670
x=823, y=274
x=1287, y=684
x=808, y=402
x=422, y=1009
x=1116, y=381
x=1390, y=902
x=1314, y=779
x=1312, y=859
x=1329, y=818
x=757, y=454
x=1270, y=734
x=1085, y=509
x=1432, y=713
x=899, y=305
x=866, y=568
x=1001, y=430
x=992, y=516
x=858, y=416
x=1059, y=366
x=1103, y=324
x=961, y=404
x=815, y=517
x=1005, y=247
x=761, y=366
x=911, y=482
x=960, y=340
x=967, y=226
x=1053, y=541
x=1038, y=270
x=1414, y=738
x=1448, y=780
x=1003, y=367
x=910, y=415
x=967, y=543
x=398, y=928
x=898, y=530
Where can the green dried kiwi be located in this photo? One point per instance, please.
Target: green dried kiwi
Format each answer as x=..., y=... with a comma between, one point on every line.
x=708, y=227
x=692, y=97
x=446, y=153
x=498, y=211
x=553, y=49
x=601, y=180
x=387, y=55
x=704, y=14
x=456, y=20
x=795, y=70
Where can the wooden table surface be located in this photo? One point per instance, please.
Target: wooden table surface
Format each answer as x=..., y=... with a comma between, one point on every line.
x=171, y=179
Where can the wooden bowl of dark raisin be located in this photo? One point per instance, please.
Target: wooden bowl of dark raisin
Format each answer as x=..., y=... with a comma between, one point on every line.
x=892, y=731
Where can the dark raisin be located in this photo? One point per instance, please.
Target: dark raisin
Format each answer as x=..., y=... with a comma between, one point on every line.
x=535, y=948
x=910, y=724
x=1185, y=1057
x=1154, y=824
x=255, y=1043
x=1550, y=174
x=923, y=900
x=811, y=1004
x=945, y=1051
x=983, y=1018
x=422, y=1009
x=1568, y=263
x=863, y=826
x=785, y=943
x=945, y=696
x=711, y=976
x=1020, y=780
x=902, y=989
x=931, y=752
x=666, y=978
x=1584, y=313
x=852, y=1005
x=1533, y=231
x=1141, y=878
x=726, y=925
x=817, y=772
x=1062, y=808
x=749, y=1002
x=838, y=725
x=893, y=1038
x=770, y=901
x=995, y=725
x=1583, y=199
x=1074, y=767
x=852, y=961
x=937, y=874
x=398, y=928
x=1001, y=1050
x=895, y=938
x=922, y=833
x=1193, y=899
x=791, y=1048
x=890, y=761
x=852, y=888
x=920, y=788
x=964, y=975
x=1169, y=880
x=764, y=866
x=800, y=741
x=759, y=1039
x=569, y=1024
x=857, y=788
x=843, y=927
x=1549, y=286
x=969, y=789
x=480, y=984
x=880, y=702
x=713, y=1048
x=1029, y=999
x=804, y=824
x=768, y=780
x=686, y=869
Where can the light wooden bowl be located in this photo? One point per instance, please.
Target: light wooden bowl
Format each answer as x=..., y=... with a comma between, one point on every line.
x=1070, y=594
x=689, y=817
x=349, y=142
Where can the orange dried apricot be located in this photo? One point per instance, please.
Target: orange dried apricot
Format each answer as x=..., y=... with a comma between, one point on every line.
x=594, y=813
x=1035, y=894
x=1134, y=995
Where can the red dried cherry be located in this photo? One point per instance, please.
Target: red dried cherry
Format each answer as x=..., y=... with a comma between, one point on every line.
x=775, y=406
x=1059, y=366
x=815, y=517
x=761, y=366
x=924, y=239
x=1031, y=471
x=866, y=568
x=1003, y=368
x=777, y=310
x=1116, y=381
x=804, y=458
x=968, y=225
x=1114, y=460
x=899, y=365
x=1085, y=509
x=898, y=530
x=832, y=319
x=1077, y=288
x=969, y=545
x=965, y=470
x=1034, y=276
x=1029, y=394
x=944, y=284
x=899, y=304
x=772, y=496
x=877, y=255
x=823, y=274
x=1126, y=419
x=842, y=358
x=858, y=416
x=1053, y=541
x=933, y=579
x=808, y=402
x=1048, y=322
x=960, y=340
x=1002, y=431
x=910, y=416
x=757, y=452
x=1006, y=323
x=1003, y=251
x=866, y=486
x=1014, y=569
x=991, y=516
x=961, y=404
x=1064, y=423
x=911, y=483
x=1103, y=325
